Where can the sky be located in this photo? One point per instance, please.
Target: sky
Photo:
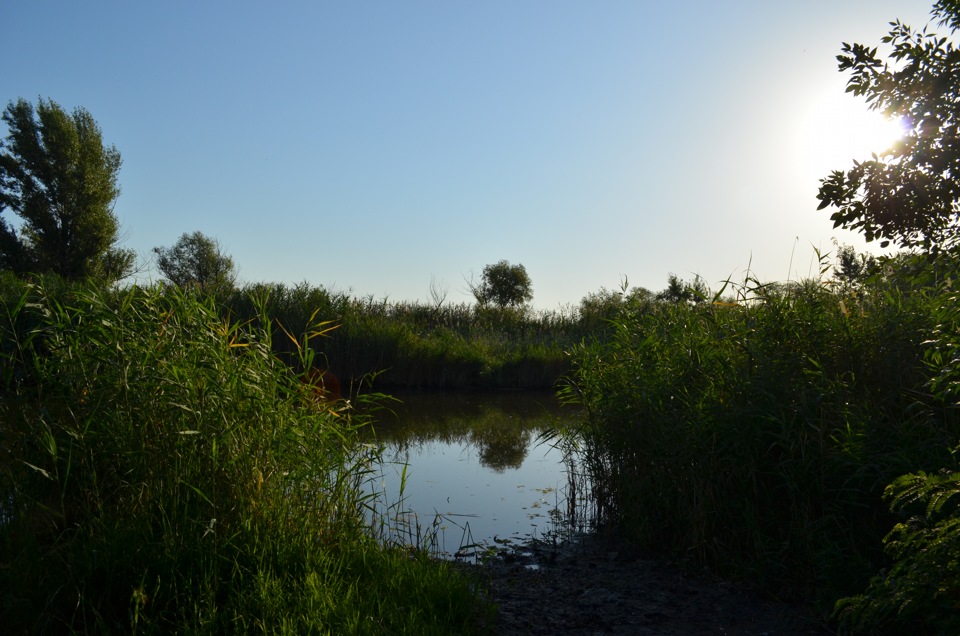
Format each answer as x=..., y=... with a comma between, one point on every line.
x=384, y=148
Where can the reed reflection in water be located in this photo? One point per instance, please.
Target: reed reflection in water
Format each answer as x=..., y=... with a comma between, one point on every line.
x=474, y=468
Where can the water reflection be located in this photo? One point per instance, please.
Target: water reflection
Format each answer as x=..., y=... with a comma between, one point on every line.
x=473, y=466
x=502, y=448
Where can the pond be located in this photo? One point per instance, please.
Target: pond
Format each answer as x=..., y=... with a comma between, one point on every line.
x=464, y=473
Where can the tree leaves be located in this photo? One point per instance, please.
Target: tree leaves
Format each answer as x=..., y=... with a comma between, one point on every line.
x=196, y=259
x=504, y=285
x=60, y=179
x=910, y=194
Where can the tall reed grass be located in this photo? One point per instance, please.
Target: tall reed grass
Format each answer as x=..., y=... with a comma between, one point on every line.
x=412, y=345
x=162, y=473
x=756, y=436
x=918, y=589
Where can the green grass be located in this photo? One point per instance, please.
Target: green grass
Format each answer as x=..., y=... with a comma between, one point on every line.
x=757, y=438
x=411, y=345
x=162, y=472
x=160, y=469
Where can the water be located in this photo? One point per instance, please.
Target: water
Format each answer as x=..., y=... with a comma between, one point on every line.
x=475, y=470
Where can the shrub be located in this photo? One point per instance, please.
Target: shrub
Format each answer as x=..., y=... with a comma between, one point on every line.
x=920, y=593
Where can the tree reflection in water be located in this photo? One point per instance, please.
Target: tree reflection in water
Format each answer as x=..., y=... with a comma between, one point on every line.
x=501, y=425
x=472, y=466
x=502, y=447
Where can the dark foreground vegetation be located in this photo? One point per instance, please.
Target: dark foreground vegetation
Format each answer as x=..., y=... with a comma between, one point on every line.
x=163, y=471
x=804, y=437
x=764, y=437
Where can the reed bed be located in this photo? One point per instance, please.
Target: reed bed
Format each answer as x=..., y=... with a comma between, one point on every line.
x=161, y=469
x=163, y=472
x=412, y=345
x=755, y=436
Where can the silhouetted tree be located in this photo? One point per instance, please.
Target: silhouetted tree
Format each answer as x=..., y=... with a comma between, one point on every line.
x=504, y=285
x=680, y=291
x=909, y=194
x=853, y=268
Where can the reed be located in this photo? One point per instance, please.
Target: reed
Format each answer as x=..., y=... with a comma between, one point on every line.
x=411, y=345
x=161, y=472
x=756, y=436
x=917, y=589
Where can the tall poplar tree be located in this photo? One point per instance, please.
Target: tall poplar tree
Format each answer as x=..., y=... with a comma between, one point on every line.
x=59, y=178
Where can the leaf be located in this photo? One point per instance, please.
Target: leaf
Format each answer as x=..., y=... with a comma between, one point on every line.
x=39, y=470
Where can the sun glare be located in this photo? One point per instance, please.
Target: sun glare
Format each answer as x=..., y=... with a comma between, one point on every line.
x=842, y=129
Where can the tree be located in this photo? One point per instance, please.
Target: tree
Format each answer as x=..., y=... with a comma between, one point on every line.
x=910, y=193
x=852, y=268
x=196, y=259
x=59, y=178
x=598, y=309
x=680, y=291
x=438, y=292
x=504, y=285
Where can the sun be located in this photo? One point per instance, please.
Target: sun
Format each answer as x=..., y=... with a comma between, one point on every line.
x=840, y=129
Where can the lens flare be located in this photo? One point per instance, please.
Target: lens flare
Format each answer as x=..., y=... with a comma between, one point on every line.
x=839, y=131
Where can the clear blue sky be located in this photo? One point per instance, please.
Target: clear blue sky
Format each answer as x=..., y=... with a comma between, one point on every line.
x=374, y=146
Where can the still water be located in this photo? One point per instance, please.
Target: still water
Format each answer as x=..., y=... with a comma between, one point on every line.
x=474, y=469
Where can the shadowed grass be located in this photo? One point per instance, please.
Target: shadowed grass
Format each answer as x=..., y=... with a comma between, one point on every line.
x=162, y=473
x=757, y=437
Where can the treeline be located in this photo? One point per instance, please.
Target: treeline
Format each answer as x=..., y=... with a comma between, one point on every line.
x=440, y=345
x=380, y=344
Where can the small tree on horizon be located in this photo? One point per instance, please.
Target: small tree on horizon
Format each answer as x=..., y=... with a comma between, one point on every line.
x=680, y=291
x=196, y=259
x=852, y=268
x=503, y=285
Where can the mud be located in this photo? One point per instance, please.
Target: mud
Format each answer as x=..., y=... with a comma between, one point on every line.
x=601, y=586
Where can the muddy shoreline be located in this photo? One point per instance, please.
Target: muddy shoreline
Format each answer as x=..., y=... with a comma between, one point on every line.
x=602, y=586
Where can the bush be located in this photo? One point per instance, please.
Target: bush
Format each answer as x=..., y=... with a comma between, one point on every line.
x=920, y=593
x=919, y=590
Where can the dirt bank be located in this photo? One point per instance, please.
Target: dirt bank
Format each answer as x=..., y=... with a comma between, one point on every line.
x=602, y=587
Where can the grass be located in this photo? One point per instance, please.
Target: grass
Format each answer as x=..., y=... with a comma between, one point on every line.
x=755, y=437
x=412, y=345
x=163, y=472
